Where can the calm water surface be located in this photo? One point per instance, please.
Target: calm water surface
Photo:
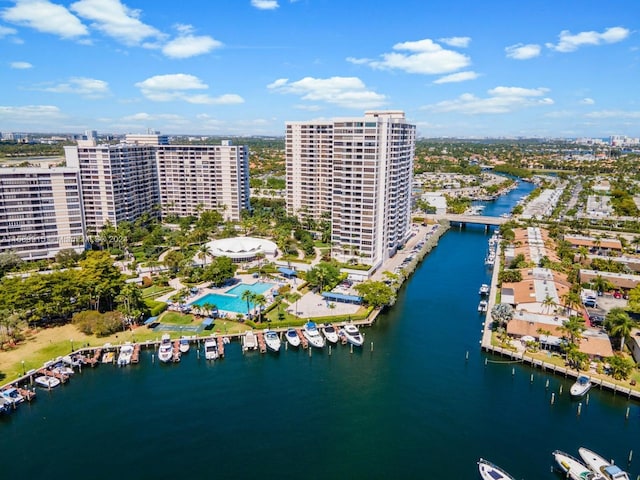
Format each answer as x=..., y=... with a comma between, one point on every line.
x=412, y=408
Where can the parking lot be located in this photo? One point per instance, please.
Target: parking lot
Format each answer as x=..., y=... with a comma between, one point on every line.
x=604, y=304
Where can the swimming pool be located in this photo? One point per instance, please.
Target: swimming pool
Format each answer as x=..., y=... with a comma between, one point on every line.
x=231, y=300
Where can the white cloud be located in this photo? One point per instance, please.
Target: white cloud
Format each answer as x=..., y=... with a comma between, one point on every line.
x=30, y=113
x=424, y=57
x=457, y=77
x=587, y=101
x=5, y=31
x=613, y=114
x=520, y=51
x=461, y=42
x=46, y=17
x=188, y=45
x=116, y=20
x=20, y=65
x=500, y=100
x=165, y=88
x=309, y=108
x=87, y=87
x=348, y=92
x=265, y=4
x=570, y=43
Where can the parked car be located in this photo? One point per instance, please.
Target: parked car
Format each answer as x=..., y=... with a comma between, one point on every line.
x=590, y=303
x=617, y=295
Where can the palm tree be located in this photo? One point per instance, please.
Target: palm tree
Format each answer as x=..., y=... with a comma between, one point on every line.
x=203, y=252
x=541, y=332
x=249, y=297
x=573, y=328
x=549, y=302
x=619, y=324
x=570, y=300
x=259, y=302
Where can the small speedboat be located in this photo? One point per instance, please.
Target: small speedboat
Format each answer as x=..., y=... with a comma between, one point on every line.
x=124, y=357
x=489, y=471
x=483, y=306
x=249, y=341
x=272, y=340
x=574, y=468
x=46, y=381
x=352, y=334
x=63, y=369
x=211, y=349
x=13, y=395
x=604, y=469
x=292, y=337
x=5, y=405
x=184, y=345
x=312, y=334
x=165, y=351
x=581, y=386
x=484, y=289
x=330, y=333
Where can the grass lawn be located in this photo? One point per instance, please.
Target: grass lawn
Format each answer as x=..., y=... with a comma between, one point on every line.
x=155, y=291
x=176, y=318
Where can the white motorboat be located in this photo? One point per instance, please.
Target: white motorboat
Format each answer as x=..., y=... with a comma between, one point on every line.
x=13, y=395
x=292, y=337
x=330, y=333
x=6, y=405
x=165, y=351
x=46, y=381
x=484, y=289
x=62, y=369
x=184, y=345
x=483, y=306
x=211, y=349
x=249, y=341
x=126, y=352
x=581, y=386
x=489, y=471
x=272, y=340
x=573, y=468
x=603, y=468
x=312, y=334
x=352, y=334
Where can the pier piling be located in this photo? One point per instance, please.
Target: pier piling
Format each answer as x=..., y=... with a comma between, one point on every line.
x=466, y=356
x=553, y=398
x=626, y=415
x=532, y=378
x=546, y=385
x=579, y=408
x=587, y=399
x=630, y=457
x=372, y=346
x=560, y=393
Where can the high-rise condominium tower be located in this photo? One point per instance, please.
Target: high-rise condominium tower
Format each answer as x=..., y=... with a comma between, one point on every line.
x=358, y=172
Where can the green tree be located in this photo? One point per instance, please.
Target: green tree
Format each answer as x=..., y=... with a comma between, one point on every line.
x=8, y=261
x=619, y=324
x=324, y=276
x=67, y=257
x=502, y=313
x=101, y=280
x=259, y=301
x=249, y=297
x=376, y=294
x=572, y=329
x=621, y=367
x=219, y=271
x=174, y=260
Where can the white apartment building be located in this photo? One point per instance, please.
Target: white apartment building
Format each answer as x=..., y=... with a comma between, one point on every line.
x=119, y=182
x=40, y=211
x=360, y=171
x=206, y=177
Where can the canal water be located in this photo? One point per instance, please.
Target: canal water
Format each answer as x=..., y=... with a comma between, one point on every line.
x=413, y=407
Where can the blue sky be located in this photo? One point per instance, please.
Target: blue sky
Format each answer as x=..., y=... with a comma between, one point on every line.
x=241, y=67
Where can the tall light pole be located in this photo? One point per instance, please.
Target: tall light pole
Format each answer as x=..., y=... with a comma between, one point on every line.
x=71, y=340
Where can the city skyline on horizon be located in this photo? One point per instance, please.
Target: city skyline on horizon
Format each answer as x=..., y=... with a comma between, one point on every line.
x=132, y=66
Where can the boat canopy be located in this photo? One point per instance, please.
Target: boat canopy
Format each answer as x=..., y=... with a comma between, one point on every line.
x=342, y=297
x=612, y=470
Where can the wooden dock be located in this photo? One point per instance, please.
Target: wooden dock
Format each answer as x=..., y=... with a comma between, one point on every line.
x=303, y=340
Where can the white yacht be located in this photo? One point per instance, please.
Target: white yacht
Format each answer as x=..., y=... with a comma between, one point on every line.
x=483, y=306
x=211, y=349
x=272, y=340
x=292, y=337
x=484, y=289
x=581, y=386
x=249, y=341
x=330, y=333
x=13, y=395
x=124, y=357
x=46, y=381
x=165, y=351
x=603, y=468
x=352, y=334
x=489, y=471
x=312, y=334
x=574, y=468
x=184, y=345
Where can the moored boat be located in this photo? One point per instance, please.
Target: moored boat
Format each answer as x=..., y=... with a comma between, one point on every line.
x=489, y=471
x=13, y=395
x=6, y=405
x=330, y=333
x=483, y=306
x=581, y=386
x=352, y=334
x=272, y=340
x=46, y=381
x=165, y=351
x=249, y=341
x=184, y=345
x=484, y=289
x=602, y=467
x=312, y=334
x=292, y=337
x=124, y=357
x=573, y=468
x=211, y=349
